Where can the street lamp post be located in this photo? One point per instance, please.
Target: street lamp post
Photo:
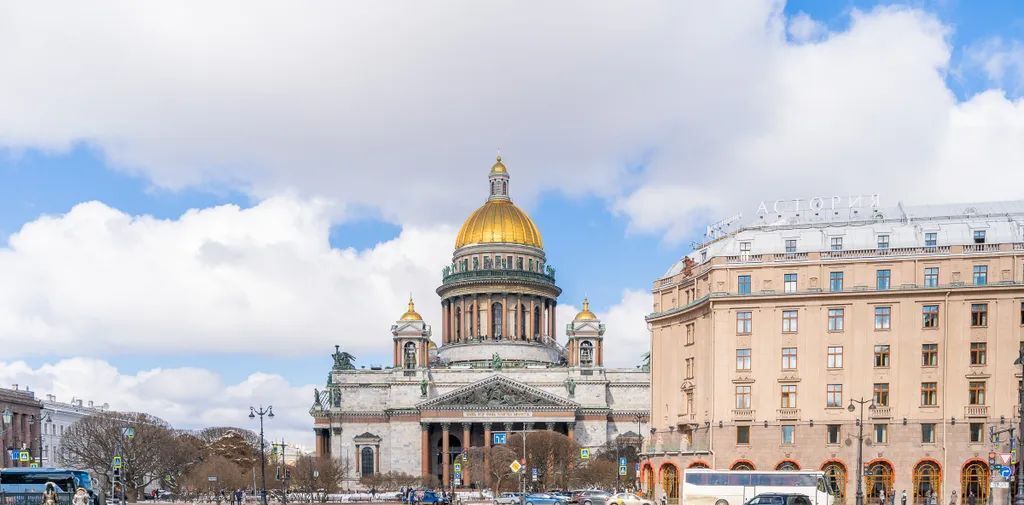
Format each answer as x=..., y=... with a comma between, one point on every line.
x=269, y=412
x=639, y=449
x=1019, y=499
x=5, y=424
x=43, y=418
x=860, y=446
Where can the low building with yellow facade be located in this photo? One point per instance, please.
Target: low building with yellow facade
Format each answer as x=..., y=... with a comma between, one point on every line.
x=766, y=334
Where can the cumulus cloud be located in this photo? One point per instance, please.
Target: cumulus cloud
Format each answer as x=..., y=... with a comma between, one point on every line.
x=1001, y=60
x=188, y=398
x=399, y=107
x=96, y=281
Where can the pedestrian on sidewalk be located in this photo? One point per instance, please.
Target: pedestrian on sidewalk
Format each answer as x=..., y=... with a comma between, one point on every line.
x=903, y=497
x=81, y=497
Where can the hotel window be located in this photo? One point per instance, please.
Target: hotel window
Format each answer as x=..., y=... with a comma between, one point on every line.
x=977, y=433
x=881, y=394
x=789, y=321
x=929, y=394
x=789, y=283
x=979, y=353
x=882, y=317
x=979, y=236
x=832, y=431
x=743, y=284
x=931, y=277
x=788, y=396
x=882, y=278
x=744, y=248
x=927, y=433
x=980, y=275
x=834, y=395
x=881, y=356
x=789, y=358
x=689, y=333
x=742, y=435
x=788, y=432
x=931, y=239
x=835, y=356
x=742, y=397
x=976, y=393
x=689, y=368
x=835, y=281
x=979, y=314
x=929, y=354
x=743, y=322
x=881, y=433
x=930, y=315
x=743, y=359
x=790, y=245
x=837, y=243
x=883, y=241
x=835, y=319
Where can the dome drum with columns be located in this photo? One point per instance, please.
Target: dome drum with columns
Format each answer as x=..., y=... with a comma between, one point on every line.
x=498, y=297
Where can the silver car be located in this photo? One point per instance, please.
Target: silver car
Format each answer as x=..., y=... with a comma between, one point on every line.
x=508, y=499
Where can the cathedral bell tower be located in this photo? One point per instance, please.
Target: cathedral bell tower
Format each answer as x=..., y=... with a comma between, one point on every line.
x=586, y=339
x=412, y=340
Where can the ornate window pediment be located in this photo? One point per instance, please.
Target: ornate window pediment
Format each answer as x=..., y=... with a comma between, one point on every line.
x=496, y=392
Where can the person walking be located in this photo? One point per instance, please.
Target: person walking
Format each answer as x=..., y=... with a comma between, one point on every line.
x=50, y=494
x=952, y=498
x=903, y=497
x=81, y=497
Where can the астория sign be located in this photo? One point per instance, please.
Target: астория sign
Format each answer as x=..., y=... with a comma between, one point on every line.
x=819, y=203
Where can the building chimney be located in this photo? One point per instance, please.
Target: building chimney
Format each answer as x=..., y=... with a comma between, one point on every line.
x=90, y=404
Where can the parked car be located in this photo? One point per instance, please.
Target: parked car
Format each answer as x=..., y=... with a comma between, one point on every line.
x=509, y=499
x=431, y=497
x=544, y=499
x=591, y=497
x=779, y=499
x=628, y=499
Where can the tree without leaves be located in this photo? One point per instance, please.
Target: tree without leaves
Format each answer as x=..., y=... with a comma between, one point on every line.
x=501, y=476
x=153, y=453
x=229, y=477
x=318, y=477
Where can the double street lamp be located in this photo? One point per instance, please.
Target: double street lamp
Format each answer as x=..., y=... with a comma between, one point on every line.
x=860, y=445
x=43, y=419
x=269, y=412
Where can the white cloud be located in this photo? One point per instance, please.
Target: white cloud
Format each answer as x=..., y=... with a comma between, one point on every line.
x=399, y=107
x=1002, y=61
x=96, y=281
x=804, y=28
x=188, y=398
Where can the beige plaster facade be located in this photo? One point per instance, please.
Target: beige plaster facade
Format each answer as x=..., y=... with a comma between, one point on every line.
x=762, y=338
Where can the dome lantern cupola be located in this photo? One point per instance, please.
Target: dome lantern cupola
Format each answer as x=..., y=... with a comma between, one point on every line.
x=586, y=314
x=411, y=314
x=498, y=179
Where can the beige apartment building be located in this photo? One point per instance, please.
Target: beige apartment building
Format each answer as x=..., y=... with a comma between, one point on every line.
x=766, y=333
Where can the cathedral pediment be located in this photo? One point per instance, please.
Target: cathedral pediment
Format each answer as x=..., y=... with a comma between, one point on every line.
x=497, y=392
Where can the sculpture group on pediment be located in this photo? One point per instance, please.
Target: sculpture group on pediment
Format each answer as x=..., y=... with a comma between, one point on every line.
x=498, y=395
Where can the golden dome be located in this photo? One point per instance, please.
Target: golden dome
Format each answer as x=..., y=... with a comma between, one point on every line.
x=499, y=221
x=498, y=167
x=411, y=314
x=586, y=314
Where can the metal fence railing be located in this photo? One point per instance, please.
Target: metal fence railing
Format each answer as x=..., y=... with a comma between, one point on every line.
x=32, y=498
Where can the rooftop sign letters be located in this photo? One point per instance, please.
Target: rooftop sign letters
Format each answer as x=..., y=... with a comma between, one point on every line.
x=819, y=203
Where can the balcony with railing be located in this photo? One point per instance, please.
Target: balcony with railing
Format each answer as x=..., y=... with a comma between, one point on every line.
x=743, y=414
x=975, y=410
x=788, y=414
x=881, y=412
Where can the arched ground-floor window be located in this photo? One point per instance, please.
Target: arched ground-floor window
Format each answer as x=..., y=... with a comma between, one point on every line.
x=927, y=482
x=787, y=466
x=974, y=483
x=835, y=473
x=670, y=482
x=878, y=481
x=743, y=466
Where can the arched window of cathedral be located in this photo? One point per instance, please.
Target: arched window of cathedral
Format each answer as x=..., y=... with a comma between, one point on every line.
x=487, y=262
x=496, y=320
x=504, y=187
x=536, y=322
x=410, y=355
x=458, y=324
x=586, y=353
x=366, y=463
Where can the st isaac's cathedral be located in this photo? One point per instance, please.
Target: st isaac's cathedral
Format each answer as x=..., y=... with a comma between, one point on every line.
x=499, y=368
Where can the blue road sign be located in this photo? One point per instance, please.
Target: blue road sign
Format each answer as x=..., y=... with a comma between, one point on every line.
x=622, y=461
x=499, y=437
x=1005, y=471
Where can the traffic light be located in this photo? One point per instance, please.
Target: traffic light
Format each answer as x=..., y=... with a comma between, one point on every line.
x=992, y=435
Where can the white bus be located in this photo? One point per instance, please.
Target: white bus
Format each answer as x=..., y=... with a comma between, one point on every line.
x=734, y=487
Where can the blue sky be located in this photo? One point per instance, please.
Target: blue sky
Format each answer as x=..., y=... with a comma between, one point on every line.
x=380, y=149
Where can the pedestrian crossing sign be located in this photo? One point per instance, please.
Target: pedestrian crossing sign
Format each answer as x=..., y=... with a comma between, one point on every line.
x=584, y=453
x=34, y=465
x=458, y=467
x=117, y=463
x=24, y=457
